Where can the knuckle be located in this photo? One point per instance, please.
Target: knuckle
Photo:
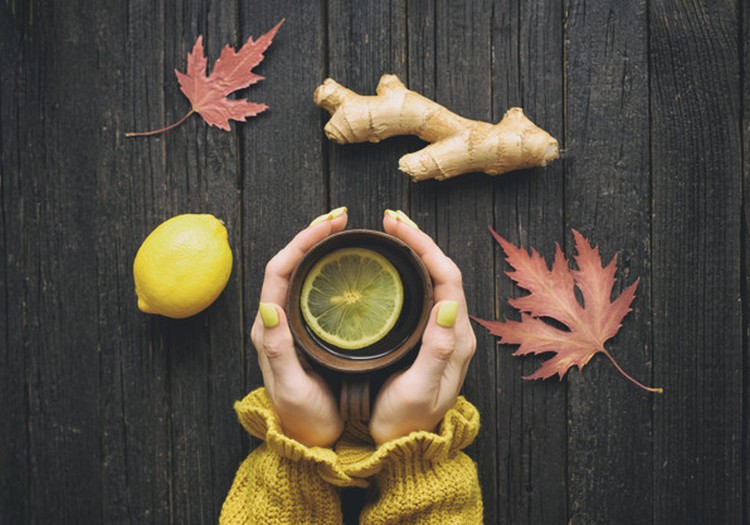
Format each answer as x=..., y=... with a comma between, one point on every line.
x=276, y=265
x=273, y=266
x=256, y=334
x=272, y=349
x=468, y=345
x=455, y=272
x=470, y=351
x=443, y=349
x=472, y=343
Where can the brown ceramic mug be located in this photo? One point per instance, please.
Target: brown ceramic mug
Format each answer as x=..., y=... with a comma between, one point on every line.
x=357, y=370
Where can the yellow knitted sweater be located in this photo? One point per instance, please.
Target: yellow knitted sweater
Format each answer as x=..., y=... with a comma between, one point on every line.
x=423, y=478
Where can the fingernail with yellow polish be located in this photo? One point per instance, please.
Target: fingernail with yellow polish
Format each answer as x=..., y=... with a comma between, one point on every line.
x=268, y=315
x=338, y=212
x=318, y=220
x=392, y=214
x=447, y=312
x=401, y=216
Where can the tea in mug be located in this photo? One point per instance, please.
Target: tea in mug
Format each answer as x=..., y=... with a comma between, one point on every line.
x=352, y=298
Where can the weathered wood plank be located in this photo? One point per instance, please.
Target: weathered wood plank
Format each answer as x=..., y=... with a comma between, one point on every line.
x=607, y=200
x=132, y=377
x=420, y=77
x=464, y=207
x=365, y=41
x=227, y=332
x=133, y=192
x=745, y=225
x=14, y=454
x=58, y=130
x=282, y=167
x=697, y=188
x=206, y=352
x=531, y=419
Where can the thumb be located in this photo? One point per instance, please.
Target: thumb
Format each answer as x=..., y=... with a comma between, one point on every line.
x=438, y=341
x=277, y=344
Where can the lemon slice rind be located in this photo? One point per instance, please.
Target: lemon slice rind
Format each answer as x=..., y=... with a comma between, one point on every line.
x=352, y=297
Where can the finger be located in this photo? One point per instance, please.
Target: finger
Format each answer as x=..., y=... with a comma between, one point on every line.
x=256, y=335
x=275, y=347
x=445, y=275
x=279, y=269
x=456, y=371
x=438, y=344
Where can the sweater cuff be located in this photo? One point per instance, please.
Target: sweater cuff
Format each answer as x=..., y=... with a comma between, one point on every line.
x=257, y=416
x=457, y=430
x=422, y=478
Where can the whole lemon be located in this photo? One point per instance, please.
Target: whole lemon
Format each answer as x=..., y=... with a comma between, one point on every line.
x=182, y=266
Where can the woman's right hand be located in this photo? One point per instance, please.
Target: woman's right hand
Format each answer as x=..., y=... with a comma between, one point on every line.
x=419, y=397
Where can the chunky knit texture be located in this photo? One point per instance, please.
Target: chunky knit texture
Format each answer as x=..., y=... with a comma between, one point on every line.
x=423, y=478
x=282, y=482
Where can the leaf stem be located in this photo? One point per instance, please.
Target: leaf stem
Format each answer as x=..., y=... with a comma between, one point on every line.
x=623, y=372
x=162, y=130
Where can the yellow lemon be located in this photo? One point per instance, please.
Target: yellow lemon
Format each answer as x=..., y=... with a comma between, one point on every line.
x=352, y=298
x=182, y=266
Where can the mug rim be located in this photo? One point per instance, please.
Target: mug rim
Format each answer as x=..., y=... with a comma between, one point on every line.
x=311, y=348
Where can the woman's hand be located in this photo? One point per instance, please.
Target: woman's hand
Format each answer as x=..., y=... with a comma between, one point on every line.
x=304, y=403
x=419, y=397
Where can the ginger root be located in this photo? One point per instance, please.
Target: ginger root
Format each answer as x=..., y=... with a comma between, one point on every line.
x=458, y=145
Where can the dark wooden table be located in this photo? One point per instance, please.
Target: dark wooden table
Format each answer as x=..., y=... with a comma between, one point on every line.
x=112, y=416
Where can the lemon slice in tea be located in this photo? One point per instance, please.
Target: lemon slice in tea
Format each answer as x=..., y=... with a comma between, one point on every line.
x=352, y=297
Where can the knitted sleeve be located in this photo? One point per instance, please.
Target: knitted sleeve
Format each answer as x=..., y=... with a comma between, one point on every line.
x=422, y=478
x=282, y=481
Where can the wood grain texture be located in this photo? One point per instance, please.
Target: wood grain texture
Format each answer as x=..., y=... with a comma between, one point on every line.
x=421, y=49
x=531, y=419
x=464, y=206
x=205, y=353
x=607, y=189
x=134, y=399
x=138, y=446
x=364, y=41
x=59, y=265
x=14, y=455
x=283, y=179
x=745, y=246
x=696, y=150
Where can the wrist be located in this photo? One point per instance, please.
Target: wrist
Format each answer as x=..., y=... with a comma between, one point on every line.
x=383, y=432
x=418, y=450
x=312, y=433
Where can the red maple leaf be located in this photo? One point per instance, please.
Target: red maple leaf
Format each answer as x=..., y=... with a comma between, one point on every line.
x=552, y=295
x=208, y=93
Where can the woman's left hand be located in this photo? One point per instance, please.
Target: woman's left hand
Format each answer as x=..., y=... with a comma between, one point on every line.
x=304, y=403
